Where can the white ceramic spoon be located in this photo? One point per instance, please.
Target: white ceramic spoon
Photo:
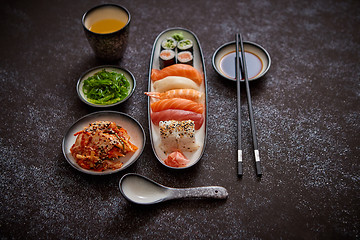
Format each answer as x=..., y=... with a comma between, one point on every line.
x=142, y=190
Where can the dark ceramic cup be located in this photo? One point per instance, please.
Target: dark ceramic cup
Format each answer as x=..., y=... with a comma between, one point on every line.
x=107, y=46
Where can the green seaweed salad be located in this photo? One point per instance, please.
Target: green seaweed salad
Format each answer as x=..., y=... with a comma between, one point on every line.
x=106, y=87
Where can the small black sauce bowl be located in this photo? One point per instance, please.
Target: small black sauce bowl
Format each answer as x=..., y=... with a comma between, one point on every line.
x=251, y=47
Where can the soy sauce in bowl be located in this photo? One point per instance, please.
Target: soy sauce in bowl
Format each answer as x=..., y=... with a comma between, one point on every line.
x=258, y=60
x=253, y=63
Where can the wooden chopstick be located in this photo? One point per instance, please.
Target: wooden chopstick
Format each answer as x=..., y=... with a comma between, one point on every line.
x=252, y=122
x=238, y=78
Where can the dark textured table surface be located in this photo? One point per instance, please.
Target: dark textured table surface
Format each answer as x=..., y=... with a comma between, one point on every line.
x=306, y=111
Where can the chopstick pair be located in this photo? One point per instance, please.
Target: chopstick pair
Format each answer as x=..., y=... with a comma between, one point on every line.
x=241, y=68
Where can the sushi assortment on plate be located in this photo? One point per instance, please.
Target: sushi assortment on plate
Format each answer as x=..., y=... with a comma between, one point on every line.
x=177, y=99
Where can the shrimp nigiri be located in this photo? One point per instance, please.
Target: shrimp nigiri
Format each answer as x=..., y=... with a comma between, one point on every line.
x=182, y=70
x=190, y=94
x=177, y=103
x=174, y=82
x=177, y=115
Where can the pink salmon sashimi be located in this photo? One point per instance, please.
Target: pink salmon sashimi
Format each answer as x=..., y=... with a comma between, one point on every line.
x=177, y=103
x=182, y=70
x=177, y=115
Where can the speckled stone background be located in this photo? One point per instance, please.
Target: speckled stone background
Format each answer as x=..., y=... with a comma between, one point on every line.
x=306, y=110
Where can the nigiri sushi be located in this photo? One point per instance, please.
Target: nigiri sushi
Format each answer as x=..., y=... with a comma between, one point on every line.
x=176, y=159
x=182, y=70
x=177, y=135
x=174, y=82
x=178, y=115
x=168, y=136
x=190, y=94
x=177, y=103
x=185, y=136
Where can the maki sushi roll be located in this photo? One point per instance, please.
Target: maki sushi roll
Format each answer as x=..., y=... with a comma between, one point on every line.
x=185, y=57
x=167, y=58
x=185, y=45
x=168, y=44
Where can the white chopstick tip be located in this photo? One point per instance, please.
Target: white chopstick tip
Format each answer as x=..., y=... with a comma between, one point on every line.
x=239, y=155
x=257, y=155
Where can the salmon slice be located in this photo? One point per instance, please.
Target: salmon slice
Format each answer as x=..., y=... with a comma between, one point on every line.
x=178, y=115
x=190, y=94
x=177, y=103
x=181, y=70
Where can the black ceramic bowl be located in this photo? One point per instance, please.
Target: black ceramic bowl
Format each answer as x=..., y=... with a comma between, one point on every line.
x=258, y=60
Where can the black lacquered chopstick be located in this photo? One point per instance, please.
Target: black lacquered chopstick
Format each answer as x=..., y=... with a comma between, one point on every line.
x=252, y=122
x=238, y=78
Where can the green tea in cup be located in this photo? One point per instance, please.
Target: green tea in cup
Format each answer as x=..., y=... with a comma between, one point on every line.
x=108, y=25
x=106, y=28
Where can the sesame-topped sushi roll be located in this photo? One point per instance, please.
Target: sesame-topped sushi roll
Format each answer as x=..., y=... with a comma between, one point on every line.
x=186, y=136
x=177, y=135
x=168, y=44
x=168, y=136
x=185, y=45
x=185, y=57
x=167, y=58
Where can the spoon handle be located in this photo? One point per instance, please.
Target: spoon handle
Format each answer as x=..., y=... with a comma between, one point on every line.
x=200, y=192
